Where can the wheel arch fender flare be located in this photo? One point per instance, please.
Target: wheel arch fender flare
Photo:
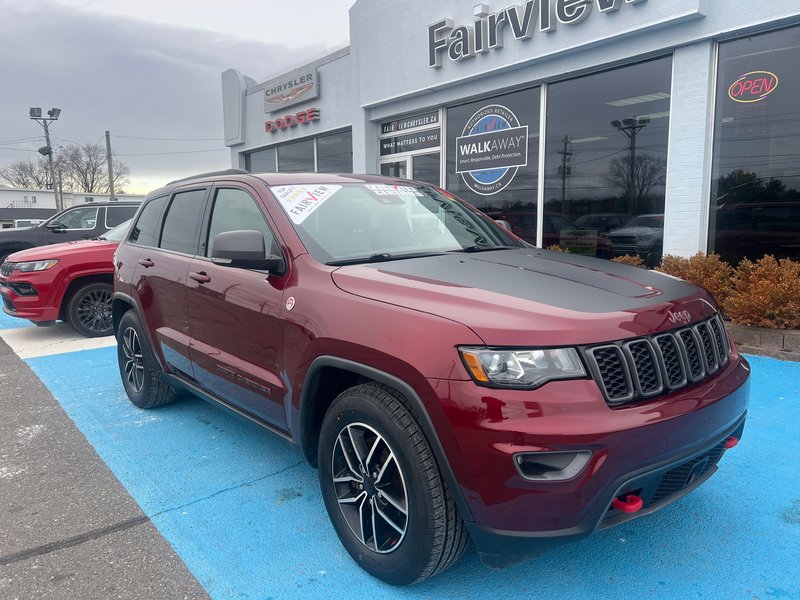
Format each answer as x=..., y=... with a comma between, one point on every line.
x=120, y=298
x=306, y=418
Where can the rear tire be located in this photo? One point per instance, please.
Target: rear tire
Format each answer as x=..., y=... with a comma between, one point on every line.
x=385, y=496
x=142, y=378
x=89, y=310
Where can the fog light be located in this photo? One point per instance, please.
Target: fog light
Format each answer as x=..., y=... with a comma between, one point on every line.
x=551, y=466
x=23, y=289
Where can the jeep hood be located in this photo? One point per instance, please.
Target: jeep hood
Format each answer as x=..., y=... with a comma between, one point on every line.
x=62, y=250
x=531, y=296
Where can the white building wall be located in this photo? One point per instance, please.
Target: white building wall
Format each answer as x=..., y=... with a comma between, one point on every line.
x=690, y=138
x=24, y=198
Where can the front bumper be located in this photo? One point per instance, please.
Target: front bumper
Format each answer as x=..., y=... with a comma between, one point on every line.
x=634, y=449
x=35, y=307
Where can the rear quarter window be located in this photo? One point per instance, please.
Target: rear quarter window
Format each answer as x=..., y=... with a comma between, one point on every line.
x=145, y=232
x=118, y=214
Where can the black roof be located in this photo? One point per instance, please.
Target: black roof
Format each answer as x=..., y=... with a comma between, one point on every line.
x=26, y=213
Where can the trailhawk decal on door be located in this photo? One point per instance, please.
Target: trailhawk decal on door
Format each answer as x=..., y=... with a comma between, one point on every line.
x=491, y=149
x=299, y=201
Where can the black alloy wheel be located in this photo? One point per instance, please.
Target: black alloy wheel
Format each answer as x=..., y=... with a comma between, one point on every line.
x=142, y=377
x=382, y=488
x=89, y=310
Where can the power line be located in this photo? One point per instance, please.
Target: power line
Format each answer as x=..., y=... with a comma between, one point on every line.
x=134, y=137
x=165, y=153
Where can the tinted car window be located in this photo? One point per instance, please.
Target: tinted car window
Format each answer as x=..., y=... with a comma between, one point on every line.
x=182, y=223
x=146, y=230
x=118, y=214
x=235, y=210
x=80, y=218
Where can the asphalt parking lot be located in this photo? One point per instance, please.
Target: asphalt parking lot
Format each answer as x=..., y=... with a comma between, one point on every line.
x=205, y=503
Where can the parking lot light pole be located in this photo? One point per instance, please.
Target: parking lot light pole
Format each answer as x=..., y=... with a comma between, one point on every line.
x=35, y=114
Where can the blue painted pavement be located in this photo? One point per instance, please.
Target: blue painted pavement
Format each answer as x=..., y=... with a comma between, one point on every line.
x=244, y=511
x=9, y=322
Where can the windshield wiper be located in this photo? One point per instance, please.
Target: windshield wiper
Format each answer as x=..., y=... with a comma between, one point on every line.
x=482, y=248
x=380, y=257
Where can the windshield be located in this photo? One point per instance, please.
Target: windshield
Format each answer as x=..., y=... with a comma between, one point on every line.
x=655, y=221
x=341, y=223
x=116, y=234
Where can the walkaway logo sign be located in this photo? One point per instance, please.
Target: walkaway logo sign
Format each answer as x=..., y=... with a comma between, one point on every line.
x=491, y=149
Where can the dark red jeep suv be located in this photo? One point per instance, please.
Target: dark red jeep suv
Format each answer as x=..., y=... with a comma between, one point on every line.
x=449, y=381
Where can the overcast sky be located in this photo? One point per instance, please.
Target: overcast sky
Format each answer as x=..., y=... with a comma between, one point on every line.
x=147, y=69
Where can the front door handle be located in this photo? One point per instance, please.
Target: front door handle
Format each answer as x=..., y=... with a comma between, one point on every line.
x=146, y=262
x=200, y=277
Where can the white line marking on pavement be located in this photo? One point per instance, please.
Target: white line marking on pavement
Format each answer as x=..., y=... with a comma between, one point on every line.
x=30, y=342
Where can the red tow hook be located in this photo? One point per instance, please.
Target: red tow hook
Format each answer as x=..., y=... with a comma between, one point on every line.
x=731, y=442
x=630, y=504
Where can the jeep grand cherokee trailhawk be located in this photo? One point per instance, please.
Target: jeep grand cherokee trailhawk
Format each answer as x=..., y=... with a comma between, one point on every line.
x=449, y=381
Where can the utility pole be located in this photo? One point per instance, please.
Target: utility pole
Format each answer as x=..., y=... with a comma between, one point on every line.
x=110, y=167
x=566, y=156
x=630, y=128
x=35, y=114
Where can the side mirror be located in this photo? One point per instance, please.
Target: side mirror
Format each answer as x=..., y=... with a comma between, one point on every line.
x=244, y=249
x=56, y=226
x=504, y=224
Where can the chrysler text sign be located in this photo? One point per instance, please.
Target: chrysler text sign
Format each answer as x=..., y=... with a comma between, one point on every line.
x=488, y=30
x=490, y=150
x=290, y=89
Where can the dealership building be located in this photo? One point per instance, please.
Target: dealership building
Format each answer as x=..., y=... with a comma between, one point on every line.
x=603, y=126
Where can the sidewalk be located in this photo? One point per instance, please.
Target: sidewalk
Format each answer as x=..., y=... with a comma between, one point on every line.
x=69, y=528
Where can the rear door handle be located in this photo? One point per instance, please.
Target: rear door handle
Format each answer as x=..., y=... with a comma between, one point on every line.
x=146, y=262
x=200, y=277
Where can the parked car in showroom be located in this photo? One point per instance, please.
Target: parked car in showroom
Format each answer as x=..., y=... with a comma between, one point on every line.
x=82, y=222
x=642, y=236
x=70, y=282
x=448, y=380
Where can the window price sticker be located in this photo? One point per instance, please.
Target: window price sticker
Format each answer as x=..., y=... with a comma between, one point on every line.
x=300, y=201
x=391, y=191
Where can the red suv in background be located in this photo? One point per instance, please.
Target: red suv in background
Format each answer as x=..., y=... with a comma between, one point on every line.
x=71, y=282
x=450, y=381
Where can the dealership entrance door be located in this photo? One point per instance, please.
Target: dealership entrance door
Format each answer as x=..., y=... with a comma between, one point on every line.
x=422, y=167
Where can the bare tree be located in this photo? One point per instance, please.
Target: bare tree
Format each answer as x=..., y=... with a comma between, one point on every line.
x=648, y=172
x=30, y=174
x=84, y=168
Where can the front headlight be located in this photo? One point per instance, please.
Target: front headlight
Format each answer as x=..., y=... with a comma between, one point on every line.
x=521, y=368
x=38, y=265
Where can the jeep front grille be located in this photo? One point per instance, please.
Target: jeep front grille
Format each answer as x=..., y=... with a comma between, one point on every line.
x=642, y=368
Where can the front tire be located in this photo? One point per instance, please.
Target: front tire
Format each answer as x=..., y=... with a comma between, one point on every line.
x=385, y=496
x=142, y=378
x=89, y=310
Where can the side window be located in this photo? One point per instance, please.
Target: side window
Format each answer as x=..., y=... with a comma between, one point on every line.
x=235, y=210
x=118, y=214
x=80, y=218
x=145, y=232
x=182, y=223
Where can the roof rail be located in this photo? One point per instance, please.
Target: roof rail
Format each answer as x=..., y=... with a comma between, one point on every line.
x=211, y=174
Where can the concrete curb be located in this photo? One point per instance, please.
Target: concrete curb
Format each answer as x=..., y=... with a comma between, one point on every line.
x=783, y=344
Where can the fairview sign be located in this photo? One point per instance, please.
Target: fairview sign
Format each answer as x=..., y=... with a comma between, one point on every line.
x=488, y=30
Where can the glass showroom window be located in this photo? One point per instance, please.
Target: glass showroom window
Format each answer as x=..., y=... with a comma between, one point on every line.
x=492, y=157
x=334, y=154
x=263, y=161
x=755, y=189
x=605, y=161
x=296, y=157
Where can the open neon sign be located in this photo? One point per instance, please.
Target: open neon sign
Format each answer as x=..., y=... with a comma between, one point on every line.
x=753, y=86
